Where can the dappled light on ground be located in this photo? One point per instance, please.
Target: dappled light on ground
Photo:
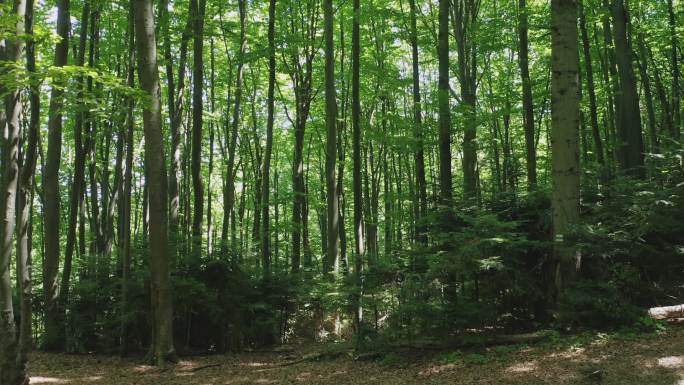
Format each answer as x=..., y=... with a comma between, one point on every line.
x=48, y=380
x=652, y=360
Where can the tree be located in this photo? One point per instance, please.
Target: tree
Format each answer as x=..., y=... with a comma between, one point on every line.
x=24, y=200
x=445, y=187
x=12, y=371
x=564, y=140
x=229, y=189
x=675, y=60
x=630, y=148
x=464, y=22
x=591, y=87
x=198, y=8
x=266, y=168
x=528, y=102
x=331, y=141
x=356, y=140
x=54, y=333
x=419, y=154
x=162, y=348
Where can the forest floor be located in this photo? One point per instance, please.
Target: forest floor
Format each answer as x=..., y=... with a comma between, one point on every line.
x=585, y=359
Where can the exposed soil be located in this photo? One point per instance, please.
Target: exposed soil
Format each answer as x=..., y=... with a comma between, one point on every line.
x=589, y=359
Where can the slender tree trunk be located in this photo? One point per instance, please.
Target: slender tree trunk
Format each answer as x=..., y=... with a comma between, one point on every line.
x=331, y=141
x=54, y=333
x=76, y=193
x=162, y=310
x=125, y=205
x=419, y=156
x=356, y=153
x=648, y=94
x=528, y=104
x=266, y=168
x=229, y=191
x=212, y=99
x=630, y=146
x=175, y=102
x=464, y=20
x=444, y=108
x=564, y=140
x=591, y=89
x=676, y=62
x=24, y=205
x=198, y=7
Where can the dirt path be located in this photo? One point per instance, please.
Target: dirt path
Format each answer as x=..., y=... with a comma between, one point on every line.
x=653, y=360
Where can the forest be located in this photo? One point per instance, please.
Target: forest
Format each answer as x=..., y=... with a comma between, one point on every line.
x=350, y=191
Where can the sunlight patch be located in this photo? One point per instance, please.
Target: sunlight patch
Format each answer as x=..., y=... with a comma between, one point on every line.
x=671, y=362
x=523, y=367
x=47, y=380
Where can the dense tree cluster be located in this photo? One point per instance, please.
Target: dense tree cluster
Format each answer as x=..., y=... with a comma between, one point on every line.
x=179, y=175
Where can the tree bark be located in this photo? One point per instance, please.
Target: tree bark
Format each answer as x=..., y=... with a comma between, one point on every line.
x=564, y=140
x=676, y=61
x=591, y=89
x=266, y=168
x=528, y=103
x=155, y=172
x=630, y=147
x=464, y=18
x=445, y=187
x=419, y=154
x=54, y=333
x=331, y=141
x=356, y=155
x=12, y=372
x=24, y=199
x=198, y=7
x=76, y=192
x=126, y=191
x=229, y=190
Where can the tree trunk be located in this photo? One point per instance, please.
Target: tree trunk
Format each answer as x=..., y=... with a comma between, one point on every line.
x=229, y=190
x=54, y=333
x=419, y=156
x=464, y=18
x=125, y=205
x=630, y=146
x=24, y=205
x=356, y=154
x=564, y=140
x=444, y=108
x=155, y=172
x=175, y=106
x=266, y=168
x=676, y=62
x=12, y=372
x=197, y=13
x=76, y=193
x=528, y=104
x=331, y=141
x=591, y=89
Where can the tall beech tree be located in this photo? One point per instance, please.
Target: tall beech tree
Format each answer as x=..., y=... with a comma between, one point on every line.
x=54, y=333
x=445, y=176
x=12, y=365
x=564, y=141
x=333, y=214
x=162, y=348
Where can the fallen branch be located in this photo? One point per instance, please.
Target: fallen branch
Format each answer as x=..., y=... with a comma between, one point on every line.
x=666, y=312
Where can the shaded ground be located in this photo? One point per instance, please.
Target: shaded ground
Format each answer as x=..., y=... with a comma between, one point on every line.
x=596, y=359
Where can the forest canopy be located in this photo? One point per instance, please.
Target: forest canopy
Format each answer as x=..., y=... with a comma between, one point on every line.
x=184, y=176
